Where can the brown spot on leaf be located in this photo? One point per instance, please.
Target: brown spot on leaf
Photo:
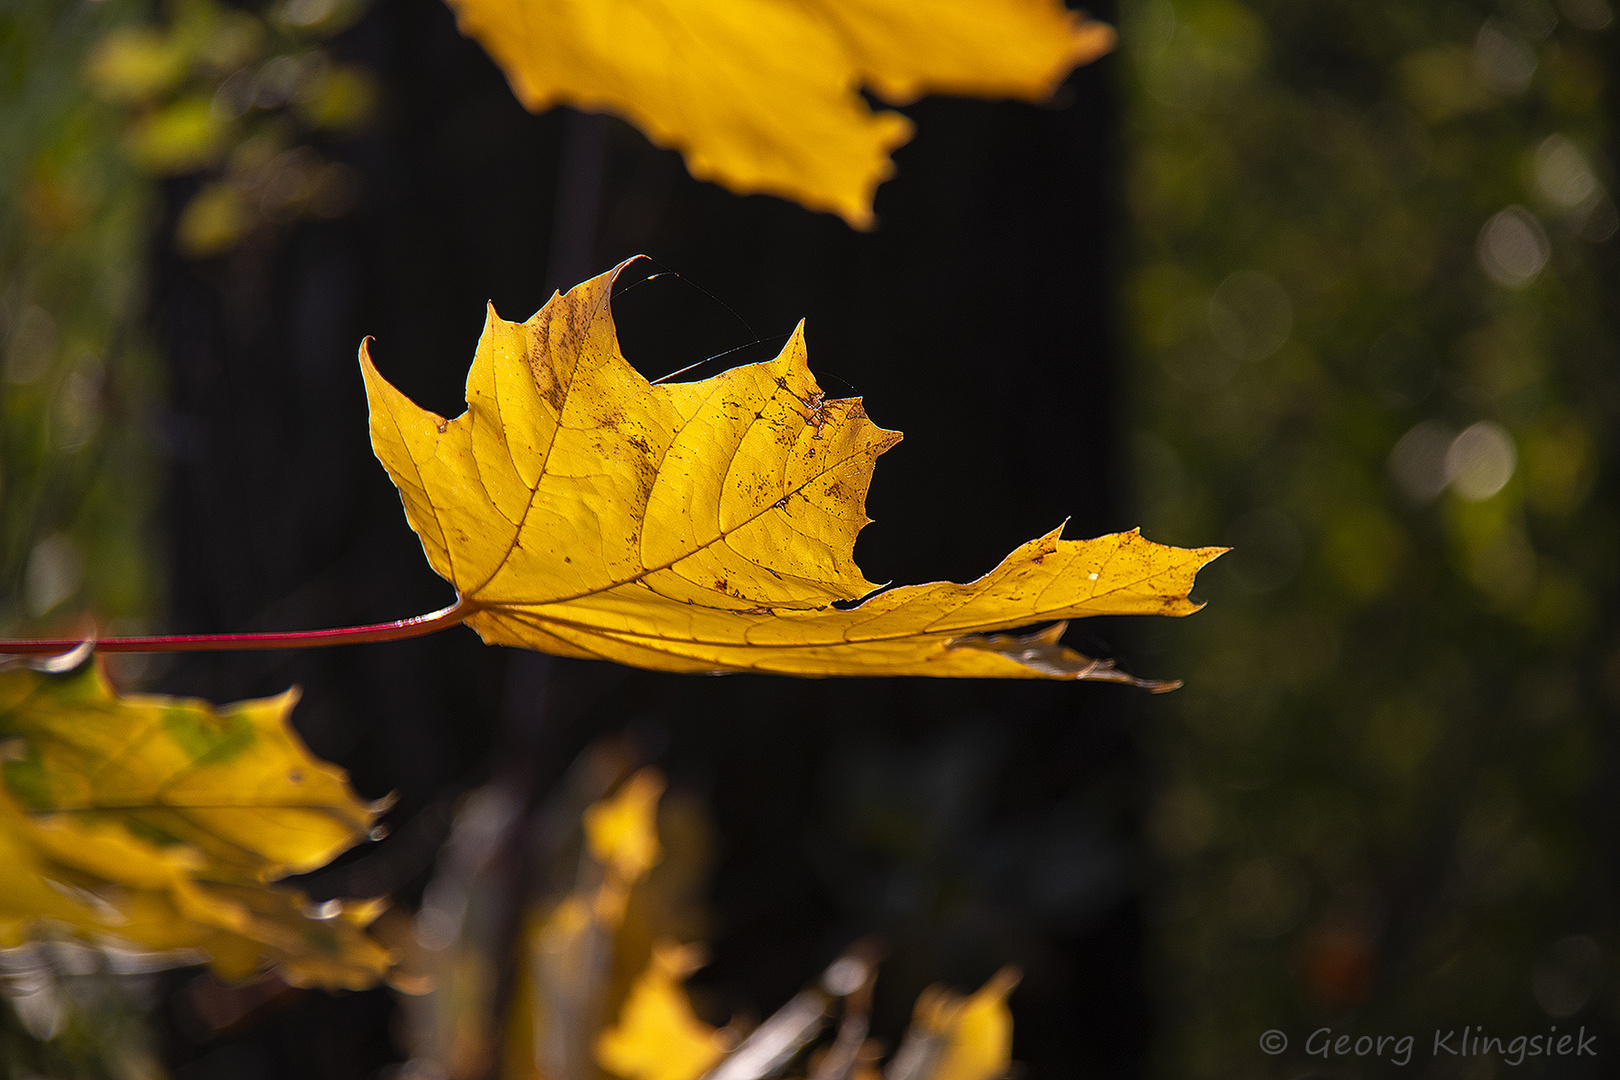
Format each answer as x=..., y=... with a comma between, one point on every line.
x=545, y=381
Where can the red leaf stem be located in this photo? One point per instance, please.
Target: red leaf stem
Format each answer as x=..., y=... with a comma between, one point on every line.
x=418, y=626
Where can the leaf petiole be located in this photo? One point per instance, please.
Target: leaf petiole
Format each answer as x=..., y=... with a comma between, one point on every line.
x=418, y=626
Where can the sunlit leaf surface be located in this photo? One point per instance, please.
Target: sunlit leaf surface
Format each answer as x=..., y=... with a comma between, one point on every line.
x=765, y=97
x=710, y=526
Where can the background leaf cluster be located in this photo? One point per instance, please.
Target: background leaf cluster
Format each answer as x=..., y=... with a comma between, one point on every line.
x=76, y=378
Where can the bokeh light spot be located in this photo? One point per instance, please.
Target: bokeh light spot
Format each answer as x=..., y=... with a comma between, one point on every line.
x=1480, y=461
x=1505, y=62
x=1567, y=975
x=1250, y=315
x=1513, y=247
x=1563, y=176
x=1418, y=461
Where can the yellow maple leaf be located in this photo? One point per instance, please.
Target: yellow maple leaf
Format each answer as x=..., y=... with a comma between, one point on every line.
x=763, y=96
x=971, y=1037
x=157, y=823
x=572, y=947
x=622, y=831
x=622, y=835
x=658, y=1036
x=710, y=526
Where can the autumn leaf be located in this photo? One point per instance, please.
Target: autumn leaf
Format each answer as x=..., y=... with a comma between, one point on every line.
x=958, y=1038
x=570, y=946
x=966, y=1038
x=622, y=835
x=159, y=824
x=710, y=526
x=763, y=96
x=601, y=986
x=658, y=1036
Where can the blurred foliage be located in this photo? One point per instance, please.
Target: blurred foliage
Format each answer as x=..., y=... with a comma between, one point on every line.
x=161, y=824
x=1371, y=303
x=245, y=100
x=75, y=475
x=76, y=1012
x=608, y=925
x=230, y=94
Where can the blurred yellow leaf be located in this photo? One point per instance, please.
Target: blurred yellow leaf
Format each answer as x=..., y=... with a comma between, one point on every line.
x=341, y=98
x=182, y=136
x=600, y=987
x=156, y=823
x=762, y=96
x=141, y=65
x=710, y=526
x=976, y=1032
x=622, y=835
x=623, y=831
x=572, y=946
x=136, y=64
x=215, y=219
x=658, y=1036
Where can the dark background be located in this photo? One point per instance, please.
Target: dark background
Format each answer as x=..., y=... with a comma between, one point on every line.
x=969, y=825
